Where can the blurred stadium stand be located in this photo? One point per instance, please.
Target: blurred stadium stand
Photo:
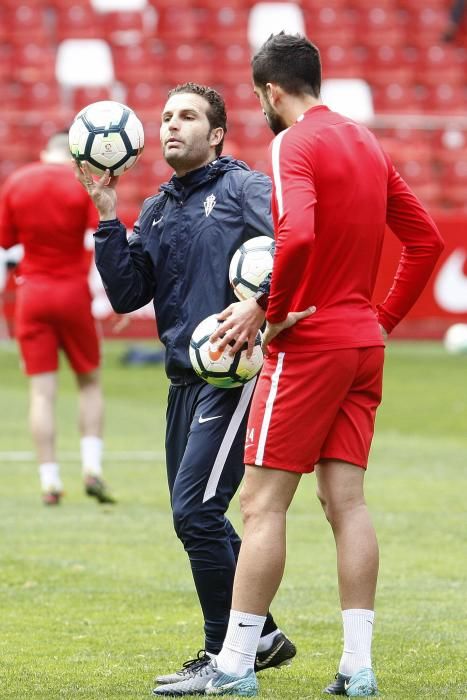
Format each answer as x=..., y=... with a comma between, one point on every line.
x=414, y=84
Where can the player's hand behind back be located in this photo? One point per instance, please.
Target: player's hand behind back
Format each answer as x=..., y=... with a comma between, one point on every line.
x=101, y=190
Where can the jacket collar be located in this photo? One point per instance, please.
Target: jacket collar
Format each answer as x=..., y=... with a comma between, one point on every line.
x=199, y=176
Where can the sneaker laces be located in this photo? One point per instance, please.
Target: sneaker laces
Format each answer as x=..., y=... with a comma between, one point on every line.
x=192, y=665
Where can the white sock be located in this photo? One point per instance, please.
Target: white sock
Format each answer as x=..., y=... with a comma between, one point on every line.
x=49, y=474
x=238, y=654
x=91, y=455
x=358, y=631
x=265, y=642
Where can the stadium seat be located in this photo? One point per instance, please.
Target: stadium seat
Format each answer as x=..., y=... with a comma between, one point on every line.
x=181, y=24
x=228, y=24
x=138, y=63
x=350, y=97
x=77, y=21
x=33, y=61
x=231, y=61
x=28, y=22
x=340, y=62
x=119, y=5
x=6, y=61
x=447, y=98
x=84, y=63
x=188, y=61
x=147, y=95
x=268, y=18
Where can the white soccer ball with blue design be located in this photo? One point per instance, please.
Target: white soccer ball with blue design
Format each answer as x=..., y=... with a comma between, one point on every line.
x=455, y=339
x=107, y=135
x=250, y=265
x=221, y=369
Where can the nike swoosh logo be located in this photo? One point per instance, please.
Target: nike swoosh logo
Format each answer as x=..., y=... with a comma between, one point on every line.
x=211, y=689
x=242, y=624
x=346, y=685
x=205, y=420
x=154, y=223
x=450, y=286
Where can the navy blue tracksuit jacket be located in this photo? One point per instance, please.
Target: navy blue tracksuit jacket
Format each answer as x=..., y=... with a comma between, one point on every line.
x=178, y=256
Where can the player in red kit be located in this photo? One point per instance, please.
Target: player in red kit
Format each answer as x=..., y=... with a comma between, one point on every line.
x=334, y=192
x=44, y=208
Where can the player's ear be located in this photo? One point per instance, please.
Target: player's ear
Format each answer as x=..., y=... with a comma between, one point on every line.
x=216, y=136
x=273, y=93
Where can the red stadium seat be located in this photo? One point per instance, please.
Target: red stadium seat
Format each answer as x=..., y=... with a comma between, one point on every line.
x=231, y=62
x=83, y=96
x=138, y=63
x=227, y=24
x=32, y=62
x=182, y=24
x=447, y=98
x=126, y=28
x=78, y=21
x=396, y=99
x=147, y=96
x=189, y=61
x=27, y=23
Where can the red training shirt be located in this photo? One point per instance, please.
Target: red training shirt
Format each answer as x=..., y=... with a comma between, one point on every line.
x=334, y=191
x=44, y=207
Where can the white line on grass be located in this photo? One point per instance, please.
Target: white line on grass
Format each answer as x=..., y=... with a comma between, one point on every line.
x=109, y=456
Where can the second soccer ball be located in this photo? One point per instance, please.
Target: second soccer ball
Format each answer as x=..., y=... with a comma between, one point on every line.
x=250, y=265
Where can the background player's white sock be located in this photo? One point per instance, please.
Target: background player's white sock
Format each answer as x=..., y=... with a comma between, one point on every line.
x=91, y=455
x=265, y=642
x=49, y=474
x=241, y=642
x=358, y=631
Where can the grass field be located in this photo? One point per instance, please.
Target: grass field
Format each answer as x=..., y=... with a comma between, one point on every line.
x=95, y=600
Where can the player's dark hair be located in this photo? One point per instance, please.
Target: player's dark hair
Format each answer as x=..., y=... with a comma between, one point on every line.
x=216, y=114
x=291, y=61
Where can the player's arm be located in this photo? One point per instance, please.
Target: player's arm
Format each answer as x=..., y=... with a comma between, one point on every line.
x=422, y=246
x=294, y=200
x=122, y=264
x=8, y=232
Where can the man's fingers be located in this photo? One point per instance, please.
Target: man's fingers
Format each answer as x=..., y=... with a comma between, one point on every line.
x=298, y=315
x=224, y=314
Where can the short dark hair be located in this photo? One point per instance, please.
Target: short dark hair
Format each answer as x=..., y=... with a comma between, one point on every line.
x=216, y=114
x=291, y=61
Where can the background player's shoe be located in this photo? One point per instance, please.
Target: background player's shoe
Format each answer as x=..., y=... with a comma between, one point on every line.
x=280, y=653
x=361, y=685
x=52, y=498
x=95, y=487
x=208, y=680
x=188, y=669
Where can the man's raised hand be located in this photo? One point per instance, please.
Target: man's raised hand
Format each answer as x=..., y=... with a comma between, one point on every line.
x=101, y=190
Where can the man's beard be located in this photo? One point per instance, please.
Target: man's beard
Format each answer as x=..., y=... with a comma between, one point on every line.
x=275, y=121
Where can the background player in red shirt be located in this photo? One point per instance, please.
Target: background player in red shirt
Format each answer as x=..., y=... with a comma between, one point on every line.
x=43, y=207
x=334, y=191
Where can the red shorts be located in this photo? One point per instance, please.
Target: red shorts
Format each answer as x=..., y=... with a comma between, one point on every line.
x=52, y=316
x=312, y=406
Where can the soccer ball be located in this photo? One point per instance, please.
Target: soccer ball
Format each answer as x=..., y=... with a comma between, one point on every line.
x=221, y=369
x=250, y=265
x=455, y=339
x=107, y=135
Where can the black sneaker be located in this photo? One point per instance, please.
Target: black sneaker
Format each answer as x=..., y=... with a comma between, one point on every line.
x=95, y=487
x=280, y=653
x=188, y=669
x=338, y=687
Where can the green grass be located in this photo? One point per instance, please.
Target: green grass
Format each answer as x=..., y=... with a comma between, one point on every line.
x=95, y=600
